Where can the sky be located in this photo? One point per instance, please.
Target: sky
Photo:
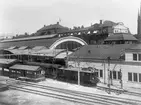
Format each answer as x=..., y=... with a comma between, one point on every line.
x=20, y=16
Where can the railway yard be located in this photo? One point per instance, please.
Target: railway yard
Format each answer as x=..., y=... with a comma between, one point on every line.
x=53, y=92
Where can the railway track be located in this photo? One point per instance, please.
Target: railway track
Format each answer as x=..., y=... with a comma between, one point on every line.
x=75, y=96
x=120, y=91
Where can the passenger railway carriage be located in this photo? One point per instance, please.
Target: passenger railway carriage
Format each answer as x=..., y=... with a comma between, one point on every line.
x=27, y=72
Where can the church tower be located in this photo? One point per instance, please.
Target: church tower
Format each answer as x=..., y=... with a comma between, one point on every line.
x=139, y=23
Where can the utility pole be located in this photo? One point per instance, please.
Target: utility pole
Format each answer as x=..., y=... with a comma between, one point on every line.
x=67, y=57
x=78, y=73
x=109, y=75
x=121, y=75
x=78, y=69
x=104, y=73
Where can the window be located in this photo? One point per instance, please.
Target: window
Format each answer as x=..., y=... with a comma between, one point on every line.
x=135, y=77
x=28, y=72
x=139, y=57
x=135, y=57
x=114, y=75
x=129, y=76
x=96, y=74
x=139, y=77
x=101, y=73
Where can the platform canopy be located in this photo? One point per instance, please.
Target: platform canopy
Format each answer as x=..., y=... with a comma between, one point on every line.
x=35, y=51
x=23, y=47
x=63, y=55
x=12, y=47
x=7, y=62
x=48, y=52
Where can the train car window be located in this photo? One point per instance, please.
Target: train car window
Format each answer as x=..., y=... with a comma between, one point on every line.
x=101, y=73
x=114, y=75
x=119, y=75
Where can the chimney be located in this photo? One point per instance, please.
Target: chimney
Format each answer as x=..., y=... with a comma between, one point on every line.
x=44, y=25
x=57, y=22
x=100, y=21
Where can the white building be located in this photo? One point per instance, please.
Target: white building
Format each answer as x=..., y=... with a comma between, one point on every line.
x=124, y=57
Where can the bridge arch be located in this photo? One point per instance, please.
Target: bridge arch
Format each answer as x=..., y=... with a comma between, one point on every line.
x=66, y=39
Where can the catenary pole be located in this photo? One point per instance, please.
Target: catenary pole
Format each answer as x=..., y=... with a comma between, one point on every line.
x=109, y=75
x=78, y=68
x=121, y=75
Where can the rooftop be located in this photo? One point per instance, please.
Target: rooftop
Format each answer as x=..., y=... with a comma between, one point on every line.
x=29, y=38
x=46, y=41
x=120, y=36
x=25, y=67
x=101, y=51
x=7, y=61
x=52, y=26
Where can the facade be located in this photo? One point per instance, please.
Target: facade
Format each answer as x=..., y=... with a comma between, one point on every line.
x=120, y=35
x=60, y=37
x=124, y=60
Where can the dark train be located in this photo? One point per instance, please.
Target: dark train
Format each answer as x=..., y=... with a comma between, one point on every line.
x=37, y=71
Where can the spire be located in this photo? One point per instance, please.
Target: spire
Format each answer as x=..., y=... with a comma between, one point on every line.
x=139, y=21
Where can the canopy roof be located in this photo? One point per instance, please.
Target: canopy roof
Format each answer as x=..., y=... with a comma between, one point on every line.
x=12, y=47
x=38, y=50
x=23, y=47
x=63, y=55
x=6, y=62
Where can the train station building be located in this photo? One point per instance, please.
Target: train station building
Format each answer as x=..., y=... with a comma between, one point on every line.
x=107, y=47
